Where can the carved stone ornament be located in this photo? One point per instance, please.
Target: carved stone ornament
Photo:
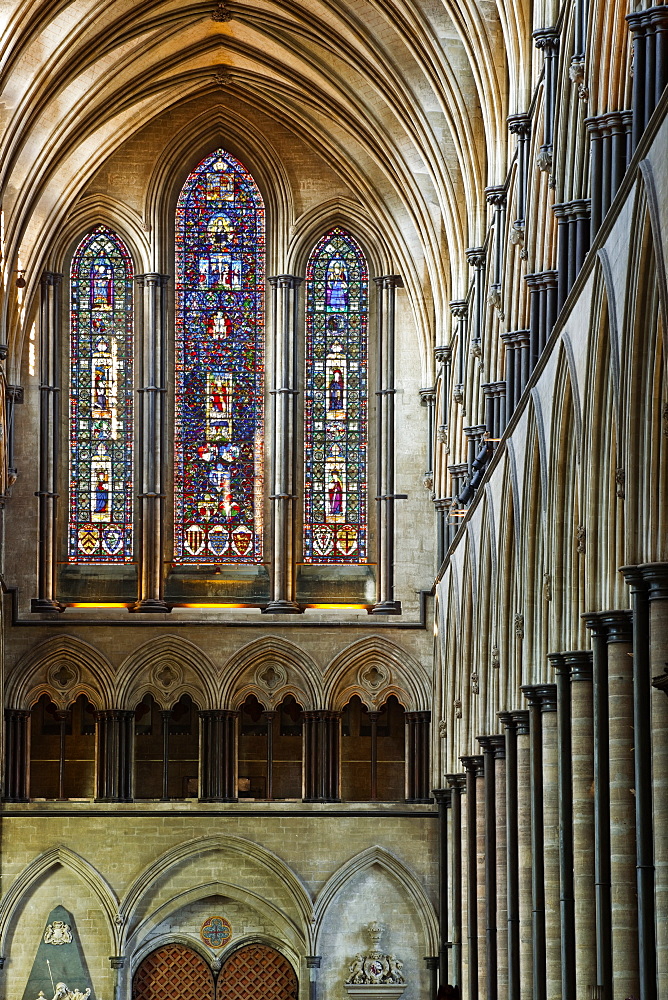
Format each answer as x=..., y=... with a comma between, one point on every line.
x=576, y=73
x=375, y=973
x=547, y=587
x=167, y=675
x=458, y=394
x=442, y=434
x=496, y=660
x=544, y=159
x=620, y=483
x=494, y=296
x=63, y=675
x=222, y=13
x=475, y=683
x=428, y=481
x=443, y=729
x=516, y=236
x=222, y=78
x=373, y=677
x=458, y=708
x=581, y=536
x=664, y=414
x=58, y=933
x=519, y=626
x=64, y=993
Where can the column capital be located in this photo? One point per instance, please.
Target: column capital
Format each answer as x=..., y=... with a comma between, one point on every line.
x=389, y=281
x=456, y=781
x=443, y=354
x=431, y=961
x=18, y=713
x=285, y=281
x=613, y=626
x=496, y=194
x=546, y=39
x=427, y=396
x=558, y=665
x=50, y=278
x=421, y=716
x=476, y=256
x=493, y=745
x=579, y=661
x=442, y=795
x=521, y=718
x=520, y=125
x=152, y=278
x=217, y=714
x=655, y=578
x=313, y=961
x=474, y=764
x=660, y=683
x=544, y=696
x=117, y=961
x=516, y=338
x=459, y=308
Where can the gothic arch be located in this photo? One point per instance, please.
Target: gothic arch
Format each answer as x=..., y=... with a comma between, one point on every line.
x=63, y=668
x=101, y=209
x=348, y=214
x=189, y=671
x=294, y=672
x=173, y=858
x=375, y=668
x=15, y=896
x=400, y=872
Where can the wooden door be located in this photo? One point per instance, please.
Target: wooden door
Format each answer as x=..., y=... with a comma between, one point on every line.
x=173, y=972
x=257, y=972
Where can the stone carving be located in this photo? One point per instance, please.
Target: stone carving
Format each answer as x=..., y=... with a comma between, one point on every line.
x=519, y=626
x=58, y=933
x=375, y=968
x=475, y=683
x=576, y=73
x=222, y=13
x=374, y=677
x=222, y=77
x=63, y=675
x=547, y=587
x=458, y=708
x=64, y=993
x=271, y=676
x=620, y=483
x=544, y=159
x=443, y=729
x=442, y=434
x=496, y=660
x=516, y=235
x=581, y=536
x=428, y=481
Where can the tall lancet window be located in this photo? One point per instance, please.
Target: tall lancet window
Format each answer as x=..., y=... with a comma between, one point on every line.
x=219, y=365
x=101, y=380
x=335, y=402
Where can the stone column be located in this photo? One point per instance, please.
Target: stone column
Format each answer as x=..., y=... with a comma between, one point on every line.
x=547, y=39
x=656, y=579
x=582, y=733
x=321, y=742
x=496, y=195
x=313, y=963
x=520, y=125
x=114, y=740
x=650, y=64
x=457, y=783
x=285, y=302
x=473, y=767
x=510, y=839
x=431, y=961
x=218, y=745
x=460, y=312
x=385, y=488
x=49, y=438
x=516, y=343
x=496, y=916
x=152, y=453
x=17, y=755
x=417, y=756
x=642, y=758
x=443, y=798
x=476, y=256
x=428, y=399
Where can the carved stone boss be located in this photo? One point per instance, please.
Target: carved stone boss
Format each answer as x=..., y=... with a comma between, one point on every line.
x=375, y=974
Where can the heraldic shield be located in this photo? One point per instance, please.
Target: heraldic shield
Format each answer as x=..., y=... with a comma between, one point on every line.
x=59, y=970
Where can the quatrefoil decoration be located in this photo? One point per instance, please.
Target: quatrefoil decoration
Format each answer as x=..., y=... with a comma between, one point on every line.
x=167, y=675
x=374, y=677
x=271, y=676
x=63, y=675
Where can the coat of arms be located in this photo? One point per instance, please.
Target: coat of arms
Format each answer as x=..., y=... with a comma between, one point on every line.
x=58, y=933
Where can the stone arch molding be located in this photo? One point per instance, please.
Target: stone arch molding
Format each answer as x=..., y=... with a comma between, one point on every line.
x=402, y=875
x=374, y=669
x=167, y=668
x=168, y=863
x=14, y=899
x=271, y=668
x=64, y=668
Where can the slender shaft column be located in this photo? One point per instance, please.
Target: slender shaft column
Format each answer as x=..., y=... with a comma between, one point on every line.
x=548, y=707
x=582, y=736
x=285, y=303
x=49, y=434
x=508, y=841
x=431, y=961
x=656, y=577
x=497, y=196
x=152, y=451
x=17, y=755
x=321, y=756
x=493, y=748
x=385, y=488
x=428, y=399
x=218, y=756
x=443, y=798
x=520, y=125
x=460, y=312
x=165, y=717
x=524, y=856
x=476, y=256
x=373, y=722
x=501, y=868
x=117, y=963
x=547, y=39
x=561, y=662
x=268, y=718
x=642, y=757
x=313, y=963
x=114, y=755
x=417, y=756
x=457, y=783
x=473, y=767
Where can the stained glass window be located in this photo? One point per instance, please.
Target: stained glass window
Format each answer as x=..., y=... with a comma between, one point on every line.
x=219, y=365
x=101, y=388
x=335, y=402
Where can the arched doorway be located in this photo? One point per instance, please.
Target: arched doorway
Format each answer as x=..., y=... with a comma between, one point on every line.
x=173, y=972
x=257, y=972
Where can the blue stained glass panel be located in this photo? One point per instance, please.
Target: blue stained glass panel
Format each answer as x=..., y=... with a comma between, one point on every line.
x=220, y=248
x=335, y=402
x=101, y=388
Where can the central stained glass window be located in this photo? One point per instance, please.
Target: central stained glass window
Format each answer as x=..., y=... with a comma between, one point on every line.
x=220, y=253
x=335, y=402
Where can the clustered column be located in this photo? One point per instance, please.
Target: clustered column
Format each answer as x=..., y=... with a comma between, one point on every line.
x=49, y=431
x=322, y=741
x=114, y=755
x=385, y=488
x=649, y=29
x=284, y=289
x=152, y=451
x=217, y=756
x=17, y=763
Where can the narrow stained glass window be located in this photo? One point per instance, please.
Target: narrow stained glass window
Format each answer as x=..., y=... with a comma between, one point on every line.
x=101, y=362
x=335, y=402
x=219, y=365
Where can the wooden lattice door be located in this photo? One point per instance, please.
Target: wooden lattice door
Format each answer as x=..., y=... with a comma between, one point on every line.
x=173, y=972
x=257, y=972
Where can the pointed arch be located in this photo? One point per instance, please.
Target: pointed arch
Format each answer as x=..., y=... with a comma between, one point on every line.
x=337, y=212
x=87, y=672
x=190, y=672
x=15, y=896
x=294, y=672
x=375, y=668
x=402, y=875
